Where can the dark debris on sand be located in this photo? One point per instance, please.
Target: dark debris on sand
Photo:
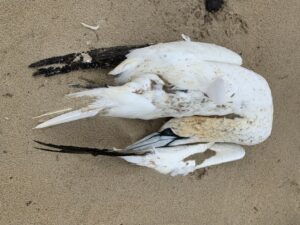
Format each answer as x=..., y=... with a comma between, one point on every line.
x=213, y=5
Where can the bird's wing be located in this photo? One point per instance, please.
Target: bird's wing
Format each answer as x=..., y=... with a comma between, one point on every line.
x=163, y=151
x=207, y=88
x=155, y=151
x=172, y=53
x=162, y=139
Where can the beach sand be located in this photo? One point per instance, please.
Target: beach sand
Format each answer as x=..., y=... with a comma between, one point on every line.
x=47, y=188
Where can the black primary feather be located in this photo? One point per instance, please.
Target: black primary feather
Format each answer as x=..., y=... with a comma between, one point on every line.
x=104, y=58
x=86, y=150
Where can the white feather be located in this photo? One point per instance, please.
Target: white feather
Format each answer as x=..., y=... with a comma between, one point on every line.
x=216, y=91
x=176, y=52
x=170, y=160
x=224, y=153
x=68, y=117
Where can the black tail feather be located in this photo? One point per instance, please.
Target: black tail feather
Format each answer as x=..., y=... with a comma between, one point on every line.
x=104, y=58
x=86, y=150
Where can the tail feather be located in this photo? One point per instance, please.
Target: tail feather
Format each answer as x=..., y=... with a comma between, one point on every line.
x=68, y=117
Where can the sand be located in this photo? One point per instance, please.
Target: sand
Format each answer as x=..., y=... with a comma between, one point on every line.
x=46, y=188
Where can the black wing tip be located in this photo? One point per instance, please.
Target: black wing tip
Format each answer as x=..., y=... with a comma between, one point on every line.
x=105, y=58
x=68, y=58
x=86, y=150
x=49, y=71
x=33, y=65
x=42, y=62
x=39, y=142
x=46, y=144
x=47, y=150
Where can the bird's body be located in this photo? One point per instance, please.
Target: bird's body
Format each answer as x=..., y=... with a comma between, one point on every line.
x=212, y=99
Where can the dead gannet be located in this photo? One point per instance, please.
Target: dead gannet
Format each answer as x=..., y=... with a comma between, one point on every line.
x=216, y=103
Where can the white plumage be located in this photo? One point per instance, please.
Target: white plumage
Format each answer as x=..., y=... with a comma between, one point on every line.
x=188, y=81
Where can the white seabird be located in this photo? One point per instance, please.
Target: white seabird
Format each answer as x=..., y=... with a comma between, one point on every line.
x=215, y=104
